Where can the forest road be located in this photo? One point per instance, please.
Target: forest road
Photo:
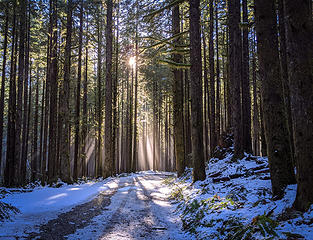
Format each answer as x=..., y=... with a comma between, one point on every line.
x=137, y=208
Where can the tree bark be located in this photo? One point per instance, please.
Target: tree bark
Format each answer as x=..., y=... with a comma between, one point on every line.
x=3, y=80
x=235, y=68
x=21, y=78
x=275, y=126
x=115, y=134
x=64, y=108
x=178, y=99
x=40, y=170
x=187, y=130
x=35, y=155
x=98, y=157
x=78, y=87
x=26, y=107
x=108, y=163
x=263, y=140
x=218, y=82
x=45, y=123
x=212, y=81
x=154, y=125
x=196, y=92
x=245, y=86
x=299, y=32
x=284, y=72
x=10, y=174
x=256, y=122
x=52, y=149
x=135, y=154
x=130, y=122
x=207, y=101
x=29, y=112
x=85, y=110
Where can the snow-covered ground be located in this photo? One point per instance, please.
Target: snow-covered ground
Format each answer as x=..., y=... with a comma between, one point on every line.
x=39, y=205
x=131, y=207
x=235, y=202
x=139, y=210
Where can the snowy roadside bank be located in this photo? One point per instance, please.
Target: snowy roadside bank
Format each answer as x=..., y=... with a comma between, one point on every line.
x=235, y=202
x=40, y=204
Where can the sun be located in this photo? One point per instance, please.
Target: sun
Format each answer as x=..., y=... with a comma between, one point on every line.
x=132, y=61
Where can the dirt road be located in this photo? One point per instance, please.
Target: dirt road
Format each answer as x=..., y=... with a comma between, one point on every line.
x=138, y=208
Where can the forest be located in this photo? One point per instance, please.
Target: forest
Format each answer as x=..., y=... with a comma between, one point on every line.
x=208, y=99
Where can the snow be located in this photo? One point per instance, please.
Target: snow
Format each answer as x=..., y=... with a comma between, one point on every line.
x=43, y=199
x=139, y=206
x=138, y=209
x=221, y=206
x=133, y=216
x=44, y=203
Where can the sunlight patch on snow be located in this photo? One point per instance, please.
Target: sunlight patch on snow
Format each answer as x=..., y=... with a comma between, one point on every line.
x=90, y=183
x=113, y=184
x=57, y=196
x=161, y=203
x=102, y=188
x=74, y=189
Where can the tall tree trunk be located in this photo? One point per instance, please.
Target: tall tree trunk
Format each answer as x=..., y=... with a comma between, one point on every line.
x=45, y=123
x=206, y=99
x=79, y=78
x=196, y=92
x=128, y=125
x=212, y=82
x=256, y=122
x=53, y=81
x=3, y=80
x=263, y=140
x=109, y=165
x=26, y=108
x=40, y=166
x=35, y=158
x=10, y=177
x=135, y=154
x=115, y=99
x=187, y=131
x=98, y=157
x=223, y=94
x=228, y=93
x=218, y=83
x=284, y=71
x=21, y=78
x=64, y=108
x=85, y=110
x=276, y=132
x=28, y=118
x=245, y=86
x=154, y=125
x=159, y=127
x=178, y=117
x=235, y=74
x=122, y=121
x=166, y=135
x=130, y=122
x=299, y=32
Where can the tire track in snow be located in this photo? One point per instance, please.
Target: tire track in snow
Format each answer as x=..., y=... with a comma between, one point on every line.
x=137, y=217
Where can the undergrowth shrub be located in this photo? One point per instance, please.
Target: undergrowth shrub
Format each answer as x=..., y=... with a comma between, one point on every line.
x=7, y=210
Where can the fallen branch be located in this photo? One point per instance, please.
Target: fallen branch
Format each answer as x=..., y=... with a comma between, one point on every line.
x=238, y=175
